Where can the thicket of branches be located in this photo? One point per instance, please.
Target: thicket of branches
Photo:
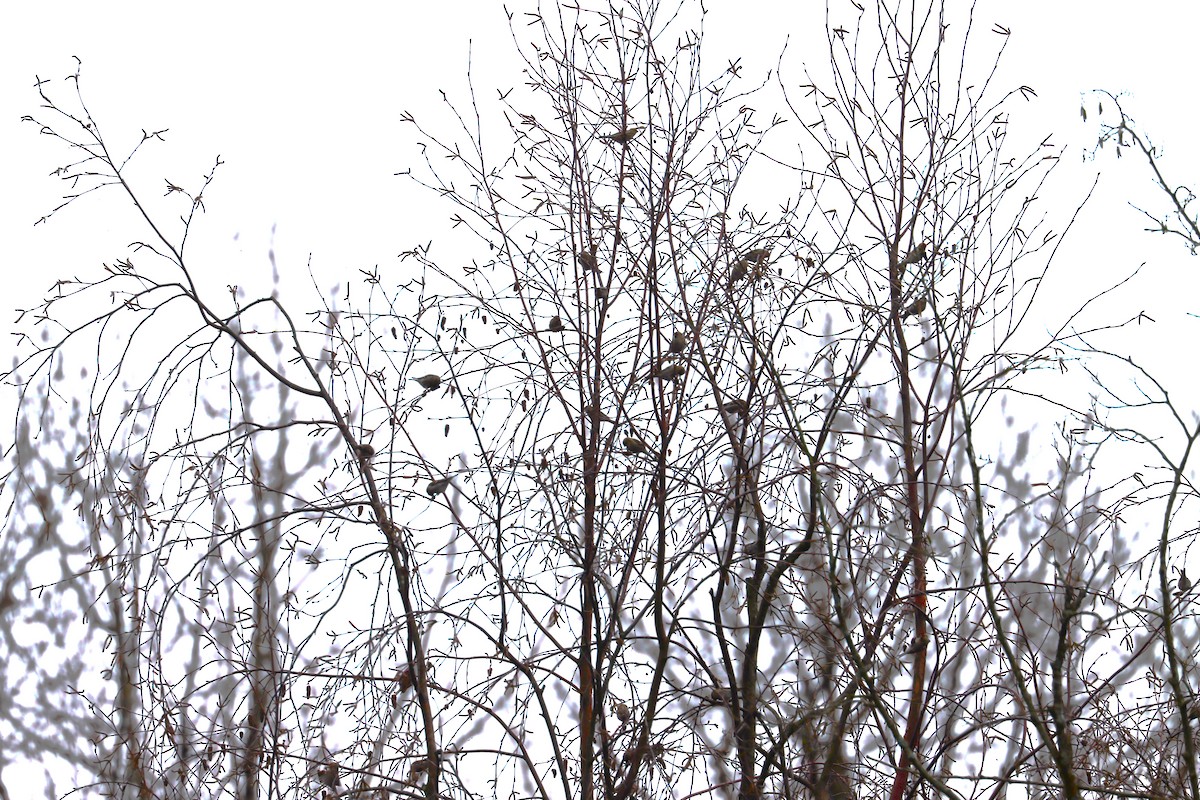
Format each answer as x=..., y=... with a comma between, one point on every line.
x=672, y=491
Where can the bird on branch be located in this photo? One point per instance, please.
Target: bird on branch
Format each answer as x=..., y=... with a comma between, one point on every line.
x=916, y=256
x=623, y=136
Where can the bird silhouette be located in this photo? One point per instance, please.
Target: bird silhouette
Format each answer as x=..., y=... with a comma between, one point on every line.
x=634, y=445
x=678, y=342
x=915, y=308
x=916, y=255
x=623, y=136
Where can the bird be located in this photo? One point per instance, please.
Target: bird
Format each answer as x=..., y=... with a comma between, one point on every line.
x=329, y=774
x=556, y=324
x=602, y=293
x=429, y=382
x=669, y=372
x=623, y=136
x=916, y=255
x=597, y=415
x=915, y=308
x=588, y=261
x=916, y=646
x=418, y=767
x=622, y=712
x=436, y=487
x=634, y=445
x=678, y=342
x=739, y=270
x=1185, y=584
x=364, y=450
x=720, y=696
x=734, y=406
x=756, y=255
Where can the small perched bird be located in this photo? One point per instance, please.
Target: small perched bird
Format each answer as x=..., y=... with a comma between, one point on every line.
x=416, y=768
x=739, y=270
x=734, y=406
x=1185, y=584
x=597, y=415
x=917, y=255
x=602, y=293
x=429, y=382
x=556, y=324
x=678, y=342
x=623, y=136
x=669, y=372
x=329, y=774
x=622, y=711
x=437, y=487
x=916, y=646
x=365, y=451
x=589, y=262
x=756, y=255
x=915, y=308
x=634, y=445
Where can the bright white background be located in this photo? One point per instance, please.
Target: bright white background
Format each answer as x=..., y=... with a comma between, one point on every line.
x=303, y=102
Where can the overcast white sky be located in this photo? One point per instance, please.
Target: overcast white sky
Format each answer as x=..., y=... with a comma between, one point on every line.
x=303, y=102
x=303, y=105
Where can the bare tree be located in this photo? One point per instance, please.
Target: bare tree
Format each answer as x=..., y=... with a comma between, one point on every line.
x=672, y=491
